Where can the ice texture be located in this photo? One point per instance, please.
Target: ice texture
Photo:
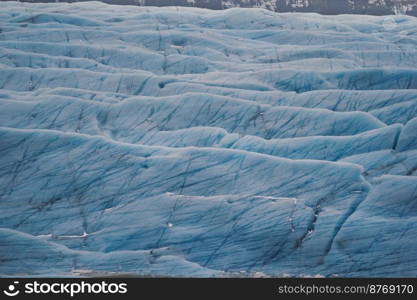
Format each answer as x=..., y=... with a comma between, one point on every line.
x=189, y=142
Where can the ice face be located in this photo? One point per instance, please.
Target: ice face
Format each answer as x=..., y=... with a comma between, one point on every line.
x=190, y=142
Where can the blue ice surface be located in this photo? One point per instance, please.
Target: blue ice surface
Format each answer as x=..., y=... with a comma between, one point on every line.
x=189, y=142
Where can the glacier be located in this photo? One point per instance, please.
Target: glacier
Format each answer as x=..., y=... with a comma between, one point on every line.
x=187, y=142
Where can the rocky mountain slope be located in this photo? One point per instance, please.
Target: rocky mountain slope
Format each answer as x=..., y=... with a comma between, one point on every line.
x=372, y=7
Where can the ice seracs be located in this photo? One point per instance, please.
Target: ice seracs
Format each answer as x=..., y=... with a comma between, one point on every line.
x=191, y=142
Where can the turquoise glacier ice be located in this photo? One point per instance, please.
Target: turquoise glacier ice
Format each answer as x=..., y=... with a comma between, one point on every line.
x=188, y=142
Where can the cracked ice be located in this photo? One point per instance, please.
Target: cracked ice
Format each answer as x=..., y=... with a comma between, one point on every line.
x=190, y=142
